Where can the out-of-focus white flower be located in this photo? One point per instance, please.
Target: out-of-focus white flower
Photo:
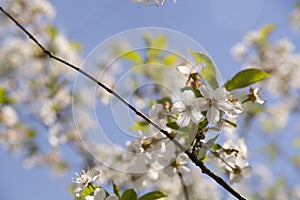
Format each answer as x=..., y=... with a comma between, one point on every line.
x=157, y=112
x=252, y=37
x=9, y=116
x=84, y=179
x=236, y=164
x=188, y=109
x=239, y=51
x=178, y=166
x=213, y=102
x=100, y=194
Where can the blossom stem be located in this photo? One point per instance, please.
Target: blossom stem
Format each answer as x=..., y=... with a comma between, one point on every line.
x=192, y=156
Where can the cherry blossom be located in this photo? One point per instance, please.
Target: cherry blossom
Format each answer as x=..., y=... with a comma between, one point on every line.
x=213, y=102
x=188, y=109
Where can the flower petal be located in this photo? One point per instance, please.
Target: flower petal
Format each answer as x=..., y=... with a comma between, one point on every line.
x=224, y=105
x=247, y=171
x=188, y=97
x=112, y=197
x=183, y=169
x=184, y=70
x=183, y=159
x=99, y=193
x=183, y=119
x=178, y=107
x=206, y=92
x=213, y=115
x=220, y=93
x=196, y=116
x=203, y=104
x=155, y=111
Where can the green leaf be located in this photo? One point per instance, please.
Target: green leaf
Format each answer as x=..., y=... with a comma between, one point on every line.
x=133, y=56
x=245, y=78
x=155, y=45
x=116, y=190
x=152, y=195
x=129, y=194
x=173, y=125
x=216, y=147
x=208, y=73
x=170, y=59
x=140, y=126
x=4, y=99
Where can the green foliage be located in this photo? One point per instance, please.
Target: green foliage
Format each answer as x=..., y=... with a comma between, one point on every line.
x=140, y=126
x=156, y=45
x=4, y=99
x=129, y=194
x=265, y=32
x=152, y=195
x=173, y=125
x=245, y=78
x=116, y=190
x=208, y=73
x=133, y=56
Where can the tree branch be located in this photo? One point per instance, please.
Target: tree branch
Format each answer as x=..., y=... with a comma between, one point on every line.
x=192, y=156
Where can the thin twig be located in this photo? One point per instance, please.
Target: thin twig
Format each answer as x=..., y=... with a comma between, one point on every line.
x=193, y=157
x=184, y=188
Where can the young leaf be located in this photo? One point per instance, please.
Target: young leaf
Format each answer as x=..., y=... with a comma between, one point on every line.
x=245, y=78
x=140, y=125
x=208, y=73
x=116, y=190
x=173, y=125
x=152, y=195
x=129, y=194
x=133, y=56
x=4, y=99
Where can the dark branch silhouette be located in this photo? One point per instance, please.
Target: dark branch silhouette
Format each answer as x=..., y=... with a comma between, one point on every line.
x=191, y=155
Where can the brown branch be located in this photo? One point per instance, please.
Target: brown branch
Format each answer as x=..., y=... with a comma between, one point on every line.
x=192, y=156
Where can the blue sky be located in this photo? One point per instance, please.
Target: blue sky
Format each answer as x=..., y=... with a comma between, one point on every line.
x=216, y=24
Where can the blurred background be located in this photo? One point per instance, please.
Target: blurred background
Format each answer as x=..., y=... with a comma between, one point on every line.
x=215, y=24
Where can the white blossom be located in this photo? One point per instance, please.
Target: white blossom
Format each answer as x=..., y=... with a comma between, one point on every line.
x=84, y=179
x=213, y=102
x=100, y=194
x=188, y=109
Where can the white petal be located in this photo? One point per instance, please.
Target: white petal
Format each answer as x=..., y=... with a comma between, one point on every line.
x=155, y=111
x=183, y=159
x=220, y=93
x=183, y=169
x=196, y=116
x=184, y=70
x=188, y=97
x=203, y=104
x=89, y=198
x=213, y=115
x=178, y=107
x=100, y=194
x=224, y=105
x=247, y=171
x=170, y=171
x=205, y=91
x=183, y=119
x=112, y=197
